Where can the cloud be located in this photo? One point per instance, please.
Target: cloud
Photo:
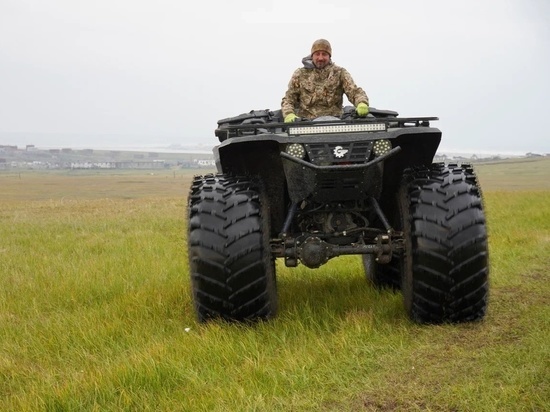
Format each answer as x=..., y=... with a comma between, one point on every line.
x=170, y=70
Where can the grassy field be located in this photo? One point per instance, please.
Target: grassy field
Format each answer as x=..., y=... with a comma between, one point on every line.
x=96, y=315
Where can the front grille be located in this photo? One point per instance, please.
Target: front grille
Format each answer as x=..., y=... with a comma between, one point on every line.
x=331, y=153
x=337, y=182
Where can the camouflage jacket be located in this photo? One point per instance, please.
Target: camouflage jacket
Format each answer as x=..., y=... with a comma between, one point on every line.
x=316, y=92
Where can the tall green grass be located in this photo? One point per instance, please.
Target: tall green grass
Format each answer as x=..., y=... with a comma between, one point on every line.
x=95, y=314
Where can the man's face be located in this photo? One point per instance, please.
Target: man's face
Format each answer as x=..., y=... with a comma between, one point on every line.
x=320, y=59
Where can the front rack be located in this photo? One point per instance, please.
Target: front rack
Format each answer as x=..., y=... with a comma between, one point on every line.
x=261, y=126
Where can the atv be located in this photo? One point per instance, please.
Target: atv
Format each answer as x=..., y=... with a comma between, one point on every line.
x=312, y=190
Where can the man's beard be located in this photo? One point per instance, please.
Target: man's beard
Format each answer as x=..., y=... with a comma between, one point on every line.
x=321, y=65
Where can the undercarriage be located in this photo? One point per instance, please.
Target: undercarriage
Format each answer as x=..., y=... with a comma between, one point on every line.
x=324, y=231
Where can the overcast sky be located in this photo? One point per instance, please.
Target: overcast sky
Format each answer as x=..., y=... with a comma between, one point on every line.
x=99, y=73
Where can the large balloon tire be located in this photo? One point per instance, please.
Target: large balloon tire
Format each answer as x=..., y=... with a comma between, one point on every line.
x=231, y=266
x=387, y=276
x=445, y=270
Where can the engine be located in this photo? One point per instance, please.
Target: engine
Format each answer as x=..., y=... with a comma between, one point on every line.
x=333, y=220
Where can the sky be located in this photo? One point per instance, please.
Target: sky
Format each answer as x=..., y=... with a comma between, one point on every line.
x=121, y=73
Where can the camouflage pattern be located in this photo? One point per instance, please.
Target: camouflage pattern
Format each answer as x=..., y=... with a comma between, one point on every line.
x=316, y=92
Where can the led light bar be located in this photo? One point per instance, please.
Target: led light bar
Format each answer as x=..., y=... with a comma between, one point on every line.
x=337, y=128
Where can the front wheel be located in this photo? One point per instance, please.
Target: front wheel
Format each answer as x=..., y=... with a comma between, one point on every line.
x=445, y=264
x=232, y=270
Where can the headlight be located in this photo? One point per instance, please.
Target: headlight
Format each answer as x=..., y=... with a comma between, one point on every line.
x=296, y=150
x=337, y=128
x=381, y=147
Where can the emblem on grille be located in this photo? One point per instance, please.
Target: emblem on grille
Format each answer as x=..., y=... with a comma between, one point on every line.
x=339, y=151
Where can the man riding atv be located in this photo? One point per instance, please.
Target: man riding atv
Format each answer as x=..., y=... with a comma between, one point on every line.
x=317, y=89
x=341, y=181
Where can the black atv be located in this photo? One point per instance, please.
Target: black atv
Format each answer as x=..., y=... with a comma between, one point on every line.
x=310, y=191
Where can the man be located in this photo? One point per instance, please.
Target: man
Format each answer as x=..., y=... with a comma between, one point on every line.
x=317, y=89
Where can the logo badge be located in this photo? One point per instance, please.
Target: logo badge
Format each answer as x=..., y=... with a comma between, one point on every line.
x=339, y=152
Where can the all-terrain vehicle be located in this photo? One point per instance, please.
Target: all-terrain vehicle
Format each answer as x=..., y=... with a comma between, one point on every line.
x=310, y=191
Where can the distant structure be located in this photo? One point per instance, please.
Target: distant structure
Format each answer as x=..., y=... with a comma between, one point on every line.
x=155, y=164
x=32, y=158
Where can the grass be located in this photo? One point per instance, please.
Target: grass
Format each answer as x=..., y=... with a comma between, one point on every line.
x=95, y=313
x=521, y=174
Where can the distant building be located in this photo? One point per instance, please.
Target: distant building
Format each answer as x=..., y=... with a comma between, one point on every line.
x=205, y=162
x=119, y=165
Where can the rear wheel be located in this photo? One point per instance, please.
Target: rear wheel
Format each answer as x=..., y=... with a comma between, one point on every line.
x=232, y=270
x=388, y=275
x=445, y=264
x=382, y=276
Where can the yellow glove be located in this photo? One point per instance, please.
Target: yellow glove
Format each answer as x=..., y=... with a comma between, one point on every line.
x=291, y=117
x=362, y=109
